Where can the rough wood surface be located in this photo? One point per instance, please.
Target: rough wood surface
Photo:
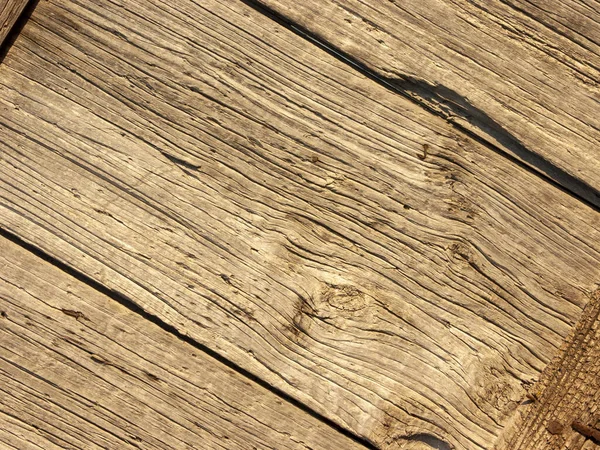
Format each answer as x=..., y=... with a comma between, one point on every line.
x=523, y=74
x=80, y=371
x=10, y=10
x=564, y=412
x=335, y=240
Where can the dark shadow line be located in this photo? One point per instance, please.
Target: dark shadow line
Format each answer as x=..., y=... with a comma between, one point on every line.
x=16, y=29
x=429, y=439
x=133, y=307
x=408, y=87
x=449, y=103
x=128, y=303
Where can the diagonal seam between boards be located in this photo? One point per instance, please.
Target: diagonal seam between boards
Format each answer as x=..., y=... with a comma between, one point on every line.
x=448, y=104
x=408, y=88
x=120, y=298
x=16, y=27
x=126, y=302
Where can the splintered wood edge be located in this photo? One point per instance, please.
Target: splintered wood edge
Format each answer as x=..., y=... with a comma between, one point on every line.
x=10, y=11
x=563, y=405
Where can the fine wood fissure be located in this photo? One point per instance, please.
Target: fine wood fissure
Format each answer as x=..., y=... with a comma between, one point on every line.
x=81, y=370
x=562, y=411
x=341, y=243
x=452, y=107
x=120, y=298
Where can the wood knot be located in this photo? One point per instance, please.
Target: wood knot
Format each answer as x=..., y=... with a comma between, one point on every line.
x=344, y=298
x=459, y=251
x=332, y=309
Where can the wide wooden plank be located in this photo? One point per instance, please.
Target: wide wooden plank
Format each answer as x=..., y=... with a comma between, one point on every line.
x=521, y=74
x=10, y=10
x=79, y=370
x=265, y=200
x=563, y=413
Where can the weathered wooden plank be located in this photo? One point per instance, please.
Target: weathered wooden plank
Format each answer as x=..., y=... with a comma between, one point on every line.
x=79, y=370
x=564, y=410
x=10, y=10
x=576, y=21
x=277, y=207
x=521, y=74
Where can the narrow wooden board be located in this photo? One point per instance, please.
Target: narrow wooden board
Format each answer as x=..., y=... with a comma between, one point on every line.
x=79, y=370
x=564, y=409
x=521, y=74
x=10, y=10
x=267, y=201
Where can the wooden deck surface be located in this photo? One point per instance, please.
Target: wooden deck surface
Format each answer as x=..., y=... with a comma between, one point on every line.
x=80, y=370
x=270, y=224
x=10, y=11
x=522, y=75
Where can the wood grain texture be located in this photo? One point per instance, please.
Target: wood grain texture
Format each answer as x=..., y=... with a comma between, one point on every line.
x=521, y=74
x=564, y=413
x=10, y=10
x=80, y=371
x=275, y=206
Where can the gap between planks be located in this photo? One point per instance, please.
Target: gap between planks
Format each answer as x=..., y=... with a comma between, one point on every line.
x=13, y=16
x=444, y=194
x=438, y=100
x=81, y=367
x=550, y=172
x=134, y=308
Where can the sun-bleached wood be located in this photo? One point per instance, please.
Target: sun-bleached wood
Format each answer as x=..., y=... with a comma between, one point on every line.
x=334, y=239
x=79, y=370
x=518, y=73
x=10, y=10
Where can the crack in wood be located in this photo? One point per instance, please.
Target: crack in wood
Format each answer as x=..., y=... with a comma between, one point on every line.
x=453, y=298
x=76, y=314
x=128, y=303
x=567, y=392
x=429, y=439
x=180, y=162
x=444, y=102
